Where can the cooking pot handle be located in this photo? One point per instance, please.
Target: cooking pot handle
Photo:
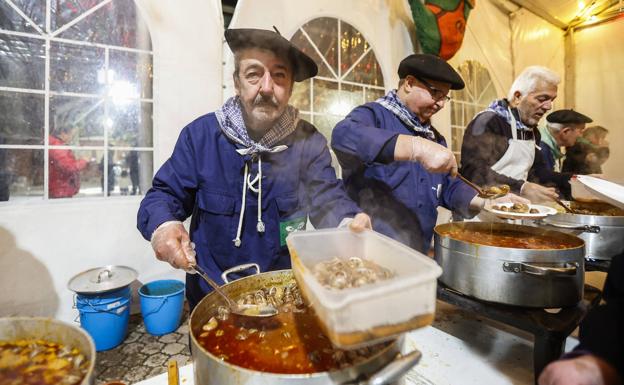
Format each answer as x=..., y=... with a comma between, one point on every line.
x=238, y=268
x=583, y=228
x=394, y=370
x=532, y=269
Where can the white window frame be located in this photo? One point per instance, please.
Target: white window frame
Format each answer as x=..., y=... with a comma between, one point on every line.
x=338, y=78
x=49, y=36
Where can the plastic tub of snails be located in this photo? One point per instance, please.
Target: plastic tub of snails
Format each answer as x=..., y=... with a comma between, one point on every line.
x=365, y=287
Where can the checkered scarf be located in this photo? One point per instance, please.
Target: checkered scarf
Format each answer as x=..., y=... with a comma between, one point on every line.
x=392, y=103
x=230, y=117
x=501, y=108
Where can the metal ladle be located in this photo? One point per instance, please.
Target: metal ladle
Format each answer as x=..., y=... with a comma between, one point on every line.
x=481, y=192
x=260, y=311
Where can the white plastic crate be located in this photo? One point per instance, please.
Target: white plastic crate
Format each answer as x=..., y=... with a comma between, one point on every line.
x=355, y=317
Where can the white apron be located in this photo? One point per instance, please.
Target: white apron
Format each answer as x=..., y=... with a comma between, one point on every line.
x=518, y=159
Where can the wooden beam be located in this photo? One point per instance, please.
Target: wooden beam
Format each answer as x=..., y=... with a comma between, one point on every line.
x=530, y=6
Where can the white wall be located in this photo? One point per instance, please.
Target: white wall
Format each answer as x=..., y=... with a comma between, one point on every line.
x=537, y=42
x=599, y=84
x=43, y=244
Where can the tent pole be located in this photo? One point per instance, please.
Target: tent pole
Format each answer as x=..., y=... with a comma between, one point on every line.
x=570, y=69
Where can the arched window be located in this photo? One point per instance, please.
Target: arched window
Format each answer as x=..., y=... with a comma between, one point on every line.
x=465, y=104
x=349, y=74
x=75, y=99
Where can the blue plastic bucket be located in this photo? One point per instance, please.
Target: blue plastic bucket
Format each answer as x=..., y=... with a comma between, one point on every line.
x=161, y=305
x=105, y=316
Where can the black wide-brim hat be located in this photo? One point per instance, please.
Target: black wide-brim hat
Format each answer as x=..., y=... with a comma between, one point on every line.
x=240, y=38
x=568, y=116
x=430, y=67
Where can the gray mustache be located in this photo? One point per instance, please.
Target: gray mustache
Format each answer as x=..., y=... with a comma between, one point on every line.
x=261, y=100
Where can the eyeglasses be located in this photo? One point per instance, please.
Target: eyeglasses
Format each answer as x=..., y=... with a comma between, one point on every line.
x=436, y=93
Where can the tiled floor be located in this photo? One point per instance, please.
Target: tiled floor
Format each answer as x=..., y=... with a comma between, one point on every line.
x=143, y=355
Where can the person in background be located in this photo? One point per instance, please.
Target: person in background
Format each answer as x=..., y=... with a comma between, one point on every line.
x=599, y=357
x=589, y=153
x=395, y=164
x=562, y=129
x=64, y=179
x=250, y=172
x=500, y=143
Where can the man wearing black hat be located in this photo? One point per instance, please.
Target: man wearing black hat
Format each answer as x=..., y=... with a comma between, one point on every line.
x=500, y=143
x=395, y=164
x=250, y=173
x=562, y=129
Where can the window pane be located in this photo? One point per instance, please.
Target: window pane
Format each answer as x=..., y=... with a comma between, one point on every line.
x=326, y=97
x=74, y=173
x=22, y=62
x=130, y=124
x=352, y=46
x=77, y=121
x=132, y=72
x=373, y=94
x=367, y=71
x=130, y=172
x=301, y=95
x=62, y=12
x=324, y=34
x=304, y=45
x=75, y=68
x=21, y=118
x=352, y=96
x=117, y=23
x=326, y=123
x=21, y=174
x=12, y=21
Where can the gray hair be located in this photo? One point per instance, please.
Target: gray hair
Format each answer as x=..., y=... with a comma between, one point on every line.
x=530, y=78
x=555, y=127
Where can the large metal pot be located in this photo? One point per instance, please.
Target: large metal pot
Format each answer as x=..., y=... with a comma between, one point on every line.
x=16, y=328
x=546, y=278
x=385, y=367
x=603, y=235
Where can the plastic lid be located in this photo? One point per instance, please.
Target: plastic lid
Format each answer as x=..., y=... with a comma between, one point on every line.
x=608, y=191
x=102, y=279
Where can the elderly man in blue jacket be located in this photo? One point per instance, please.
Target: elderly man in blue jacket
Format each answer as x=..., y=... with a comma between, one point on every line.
x=250, y=173
x=396, y=165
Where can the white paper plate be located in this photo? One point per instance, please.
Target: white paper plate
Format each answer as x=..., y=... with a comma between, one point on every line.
x=544, y=211
x=608, y=191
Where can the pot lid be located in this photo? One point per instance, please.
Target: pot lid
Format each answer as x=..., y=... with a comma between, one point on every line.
x=102, y=279
x=608, y=191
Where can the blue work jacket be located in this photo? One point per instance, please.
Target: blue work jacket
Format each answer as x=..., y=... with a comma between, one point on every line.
x=401, y=197
x=205, y=175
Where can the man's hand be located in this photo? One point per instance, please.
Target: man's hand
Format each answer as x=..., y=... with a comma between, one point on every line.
x=172, y=244
x=583, y=370
x=360, y=223
x=478, y=203
x=433, y=156
x=537, y=193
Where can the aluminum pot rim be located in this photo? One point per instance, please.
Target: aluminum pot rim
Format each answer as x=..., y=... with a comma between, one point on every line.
x=392, y=345
x=580, y=243
x=91, y=370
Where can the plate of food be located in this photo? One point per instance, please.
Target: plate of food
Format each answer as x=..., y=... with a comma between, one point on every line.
x=521, y=211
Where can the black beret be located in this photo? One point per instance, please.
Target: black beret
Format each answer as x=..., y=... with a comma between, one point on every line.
x=303, y=65
x=430, y=67
x=567, y=116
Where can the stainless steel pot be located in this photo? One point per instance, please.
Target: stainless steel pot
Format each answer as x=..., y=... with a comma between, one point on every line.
x=386, y=367
x=603, y=235
x=546, y=278
x=15, y=328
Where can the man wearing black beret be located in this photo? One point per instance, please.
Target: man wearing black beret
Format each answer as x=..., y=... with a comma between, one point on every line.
x=250, y=172
x=396, y=165
x=562, y=129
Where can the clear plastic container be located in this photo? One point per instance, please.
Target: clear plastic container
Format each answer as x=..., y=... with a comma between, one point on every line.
x=355, y=317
